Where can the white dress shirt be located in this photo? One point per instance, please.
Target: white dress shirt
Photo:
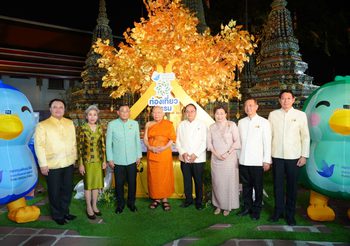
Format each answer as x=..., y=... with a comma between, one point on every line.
x=191, y=138
x=290, y=134
x=255, y=134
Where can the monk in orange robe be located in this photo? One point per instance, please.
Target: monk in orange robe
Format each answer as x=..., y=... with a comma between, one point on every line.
x=159, y=136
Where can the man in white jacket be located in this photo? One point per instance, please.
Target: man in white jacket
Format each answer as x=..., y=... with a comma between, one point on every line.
x=191, y=142
x=255, y=158
x=290, y=148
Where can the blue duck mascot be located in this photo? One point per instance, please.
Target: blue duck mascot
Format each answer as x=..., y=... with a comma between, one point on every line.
x=327, y=172
x=18, y=170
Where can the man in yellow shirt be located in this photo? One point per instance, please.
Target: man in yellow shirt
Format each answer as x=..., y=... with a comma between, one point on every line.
x=55, y=147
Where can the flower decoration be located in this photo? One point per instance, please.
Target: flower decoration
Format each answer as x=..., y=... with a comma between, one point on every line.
x=205, y=64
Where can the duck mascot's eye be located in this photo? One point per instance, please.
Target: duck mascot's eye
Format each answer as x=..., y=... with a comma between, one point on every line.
x=25, y=108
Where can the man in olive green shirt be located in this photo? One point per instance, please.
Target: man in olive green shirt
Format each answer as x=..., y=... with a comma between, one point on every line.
x=55, y=147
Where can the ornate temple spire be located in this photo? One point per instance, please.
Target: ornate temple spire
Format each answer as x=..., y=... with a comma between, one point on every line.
x=279, y=64
x=102, y=29
x=92, y=91
x=92, y=74
x=279, y=59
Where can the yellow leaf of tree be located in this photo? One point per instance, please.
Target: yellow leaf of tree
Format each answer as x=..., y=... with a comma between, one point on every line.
x=205, y=66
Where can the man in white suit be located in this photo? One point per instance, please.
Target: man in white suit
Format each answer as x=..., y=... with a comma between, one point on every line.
x=290, y=148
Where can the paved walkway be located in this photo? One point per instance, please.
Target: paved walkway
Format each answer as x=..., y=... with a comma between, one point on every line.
x=268, y=242
x=43, y=236
x=31, y=236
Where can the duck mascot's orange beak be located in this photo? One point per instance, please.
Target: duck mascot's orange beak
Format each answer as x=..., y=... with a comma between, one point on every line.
x=10, y=126
x=340, y=121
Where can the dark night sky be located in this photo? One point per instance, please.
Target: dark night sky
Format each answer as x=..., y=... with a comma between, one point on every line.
x=323, y=26
x=83, y=16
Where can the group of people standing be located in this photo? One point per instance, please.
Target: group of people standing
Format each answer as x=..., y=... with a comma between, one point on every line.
x=281, y=142
x=239, y=154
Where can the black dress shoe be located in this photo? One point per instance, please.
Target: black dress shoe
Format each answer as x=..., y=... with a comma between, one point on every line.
x=132, y=208
x=98, y=213
x=90, y=217
x=199, y=206
x=70, y=217
x=60, y=221
x=119, y=210
x=186, y=204
x=243, y=212
x=255, y=216
x=276, y=217
x=291, y=221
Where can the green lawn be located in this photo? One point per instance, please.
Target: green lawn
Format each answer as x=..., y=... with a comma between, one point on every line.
x=156, y=227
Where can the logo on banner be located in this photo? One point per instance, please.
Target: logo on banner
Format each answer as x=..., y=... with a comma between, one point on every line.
x=163, y=97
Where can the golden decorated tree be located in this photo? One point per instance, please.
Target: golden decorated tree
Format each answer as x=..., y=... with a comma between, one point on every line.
x=204, y=65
